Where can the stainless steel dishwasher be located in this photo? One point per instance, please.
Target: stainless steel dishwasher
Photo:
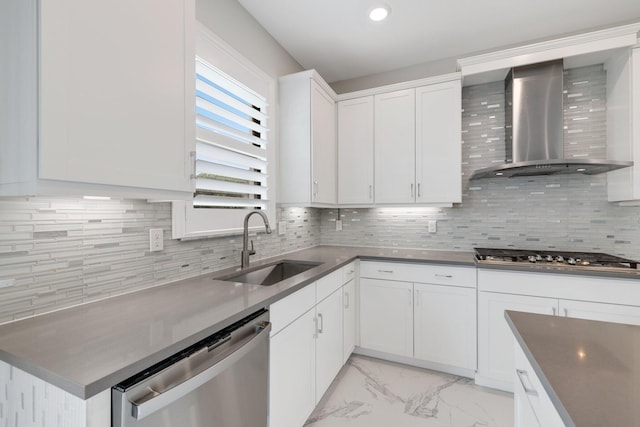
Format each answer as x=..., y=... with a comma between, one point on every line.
x=222, y=381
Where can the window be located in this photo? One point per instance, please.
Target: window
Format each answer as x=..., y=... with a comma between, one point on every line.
x=233, y=155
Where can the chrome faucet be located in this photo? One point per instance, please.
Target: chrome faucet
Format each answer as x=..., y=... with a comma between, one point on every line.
x=245, y=238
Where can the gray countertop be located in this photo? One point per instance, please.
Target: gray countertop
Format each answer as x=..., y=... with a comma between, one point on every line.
x=90, y=348
x=589, y=369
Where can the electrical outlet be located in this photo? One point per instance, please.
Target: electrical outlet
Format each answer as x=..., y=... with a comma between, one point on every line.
x=432, y=225
x=338, y=225
x=282, y=228
x=156, y=239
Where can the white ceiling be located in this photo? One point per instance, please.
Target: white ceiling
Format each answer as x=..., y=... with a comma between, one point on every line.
x=337, y=38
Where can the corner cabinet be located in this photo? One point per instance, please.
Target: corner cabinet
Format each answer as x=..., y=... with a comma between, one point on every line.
x=93, y=105
x=623, y=124
x=308, y=162
x=409, y=312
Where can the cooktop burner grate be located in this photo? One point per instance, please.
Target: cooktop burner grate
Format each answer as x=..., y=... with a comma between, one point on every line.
x=548, y=257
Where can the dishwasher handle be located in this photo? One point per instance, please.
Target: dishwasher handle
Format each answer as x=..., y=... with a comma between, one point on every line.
x=165, y=398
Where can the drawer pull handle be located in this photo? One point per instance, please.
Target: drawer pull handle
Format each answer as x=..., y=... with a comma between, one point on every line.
x=566, y=312
x=554, y=310
x=346, y=303
x=385, y=271
x=530, y=391
x=321, y=328
x=446, y=276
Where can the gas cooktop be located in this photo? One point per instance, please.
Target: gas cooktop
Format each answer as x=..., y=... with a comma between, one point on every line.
x=554, y=258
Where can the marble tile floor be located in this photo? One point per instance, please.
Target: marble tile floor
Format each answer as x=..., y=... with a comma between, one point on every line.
x=374, y=393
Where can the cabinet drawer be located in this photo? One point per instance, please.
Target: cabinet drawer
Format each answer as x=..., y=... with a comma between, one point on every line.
x=291, y=307
x=348, y=272
x=420, y=273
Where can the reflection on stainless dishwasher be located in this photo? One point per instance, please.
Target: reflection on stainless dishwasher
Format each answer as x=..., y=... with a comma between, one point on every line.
x=220, y=381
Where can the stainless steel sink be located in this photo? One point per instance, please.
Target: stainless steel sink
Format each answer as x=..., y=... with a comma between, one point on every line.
x=267, y=275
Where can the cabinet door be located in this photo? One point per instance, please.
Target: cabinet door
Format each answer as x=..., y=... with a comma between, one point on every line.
x=395, y=135
x=323, y=146
x=445, y=325
x=495, y=340
x=349, y=319
x=355, y=151
x=599, y=311
x=438, y=144
x=292, y=362
x=329, y=350
x=114, y=92
x=386, y=316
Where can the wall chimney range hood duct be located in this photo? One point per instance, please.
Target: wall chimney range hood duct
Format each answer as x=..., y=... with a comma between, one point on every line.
x=534, y=123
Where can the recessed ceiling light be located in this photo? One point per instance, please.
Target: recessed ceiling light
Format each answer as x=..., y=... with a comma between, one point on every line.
x=379, y=13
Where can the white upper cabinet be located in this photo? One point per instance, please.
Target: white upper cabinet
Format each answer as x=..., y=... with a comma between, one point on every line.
x=623, y=124
x=355, y=151
x=438, y=144
x=308, y=171
x=395, y=141
x=100, y=98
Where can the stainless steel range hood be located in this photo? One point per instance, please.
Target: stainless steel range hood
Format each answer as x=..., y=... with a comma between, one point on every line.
x=534, y=127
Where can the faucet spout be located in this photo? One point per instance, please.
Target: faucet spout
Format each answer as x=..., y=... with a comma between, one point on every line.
x=246, y=252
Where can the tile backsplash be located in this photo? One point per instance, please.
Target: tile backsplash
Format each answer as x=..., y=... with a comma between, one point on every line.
x=567, y=212
x=59, y=252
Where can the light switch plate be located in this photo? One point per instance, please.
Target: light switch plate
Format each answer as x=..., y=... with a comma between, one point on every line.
x=282, y=228
x=433, y=225
x=338, y=225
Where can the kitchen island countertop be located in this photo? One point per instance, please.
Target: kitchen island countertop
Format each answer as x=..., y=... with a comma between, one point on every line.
x=589, y=369
x=89, y=348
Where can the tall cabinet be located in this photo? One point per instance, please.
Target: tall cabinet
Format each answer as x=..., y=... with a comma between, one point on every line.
x=355, y=151
x=92, y=104
x=308, y=167
x=395, y=131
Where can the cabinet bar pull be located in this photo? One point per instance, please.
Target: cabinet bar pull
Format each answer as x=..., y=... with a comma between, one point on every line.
x=553, y=309
x=315, y=185
x=321, y=329
x=527, y=390
x=346, y=303
x=370, y=191
x=411, y=190
x=566, y=312
x=446, y=276
x=316, y=332
x=419, y=190
x=385, y=271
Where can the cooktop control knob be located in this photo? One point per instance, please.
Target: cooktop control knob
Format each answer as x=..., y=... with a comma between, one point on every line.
x=560, y=258
x=571, y=261
x=532, y=258
x=549, y=258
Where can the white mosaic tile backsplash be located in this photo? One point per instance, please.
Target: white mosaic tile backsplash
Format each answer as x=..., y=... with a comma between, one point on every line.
x=567, y=212
x=60, y=252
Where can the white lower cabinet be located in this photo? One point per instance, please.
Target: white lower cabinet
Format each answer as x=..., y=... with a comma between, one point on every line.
x=386, y=316
x=306, y=349
x=329, y=352
x=444, y=325
x=584, y=297
x=349, y=319
x=495, y=340
x=533, y=407
x=424, y=313
x=292, y=377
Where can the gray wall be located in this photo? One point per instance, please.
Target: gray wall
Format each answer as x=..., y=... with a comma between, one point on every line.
x=568, y=212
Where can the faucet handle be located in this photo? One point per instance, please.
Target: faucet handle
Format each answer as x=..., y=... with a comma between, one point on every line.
x=252, y=251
